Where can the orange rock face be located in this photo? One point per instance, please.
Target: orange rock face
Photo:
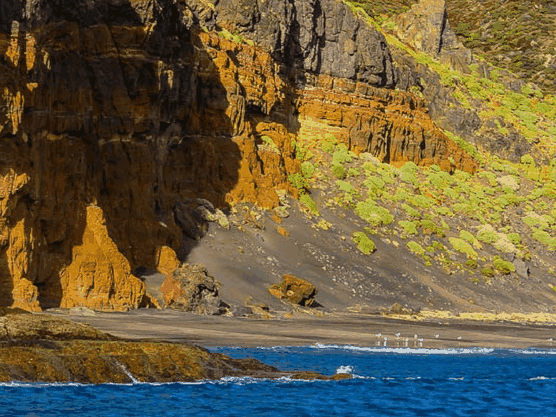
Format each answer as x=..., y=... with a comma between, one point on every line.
x=392, y=125
x=106, y=129
x=295, y=290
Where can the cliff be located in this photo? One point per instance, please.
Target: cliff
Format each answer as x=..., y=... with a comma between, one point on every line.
x=116, y=117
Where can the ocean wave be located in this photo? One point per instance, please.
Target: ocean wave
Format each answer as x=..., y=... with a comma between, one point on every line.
x=407, y=350
x=344, y=369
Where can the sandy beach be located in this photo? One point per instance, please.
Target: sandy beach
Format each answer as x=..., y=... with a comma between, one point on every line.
x=303, y=330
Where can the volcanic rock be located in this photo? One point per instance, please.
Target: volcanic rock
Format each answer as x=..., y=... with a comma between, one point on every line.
x=295, y=290
x=190, y=288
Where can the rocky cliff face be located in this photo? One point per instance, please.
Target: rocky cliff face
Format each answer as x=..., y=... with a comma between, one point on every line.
x=117, y=114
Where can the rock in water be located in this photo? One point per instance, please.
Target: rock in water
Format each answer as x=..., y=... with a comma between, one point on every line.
x=295, y=290
x=190, y=288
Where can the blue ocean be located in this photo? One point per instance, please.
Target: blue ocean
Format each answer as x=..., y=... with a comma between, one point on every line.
x=388, y=382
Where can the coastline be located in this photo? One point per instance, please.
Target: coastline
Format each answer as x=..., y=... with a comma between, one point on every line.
x=305, y=330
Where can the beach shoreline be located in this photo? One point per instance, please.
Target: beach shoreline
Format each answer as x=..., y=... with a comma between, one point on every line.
x=306, y=330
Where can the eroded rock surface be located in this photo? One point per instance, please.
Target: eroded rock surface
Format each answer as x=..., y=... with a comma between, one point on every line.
x=295, y=290
x=190, y=288
x=42, y=348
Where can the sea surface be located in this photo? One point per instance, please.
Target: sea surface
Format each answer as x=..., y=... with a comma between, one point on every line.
x=388, y=382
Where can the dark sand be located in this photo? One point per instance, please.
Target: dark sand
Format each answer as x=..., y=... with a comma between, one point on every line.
x=303, y=330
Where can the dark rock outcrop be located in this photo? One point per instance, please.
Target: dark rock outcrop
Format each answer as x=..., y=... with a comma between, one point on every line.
x=319, y=36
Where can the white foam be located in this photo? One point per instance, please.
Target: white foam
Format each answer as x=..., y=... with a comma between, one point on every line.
x=344, y=370
x=129, y=375
x=14, y=384
x=240, y=380
x=408, y=350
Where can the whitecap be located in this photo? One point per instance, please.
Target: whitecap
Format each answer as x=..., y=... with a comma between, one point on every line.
x=347, y=369
x=408, y=350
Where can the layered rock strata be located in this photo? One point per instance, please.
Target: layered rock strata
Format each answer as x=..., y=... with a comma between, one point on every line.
x=114, y=115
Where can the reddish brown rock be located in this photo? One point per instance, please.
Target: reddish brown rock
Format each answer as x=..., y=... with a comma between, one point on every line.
x=282, y=231
x=394, y=126
x=190, y=288
x=295, y=290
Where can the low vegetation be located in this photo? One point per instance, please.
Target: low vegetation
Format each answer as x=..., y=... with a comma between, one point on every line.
x=469, y=225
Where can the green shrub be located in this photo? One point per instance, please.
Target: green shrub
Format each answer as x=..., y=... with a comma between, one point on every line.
x=444, y=211
x=527, y=160
x=353, y=172
x=450, y=192
x=463, y=208
x=544, y=238
x=415, y=248
x=327, y=147
x=534, y=219
x=388, y=176
x=487, y=236
x=408, y=172
x=297, y=181
x=375, y=183
x=429, y=226
x=462, y=246
x=267, y=140
x=369, y=167
x=339, y=171
x=471, y=263
x=375, y=215
x=549, y=189
x=330, y=138
x=307, y=169
x=411, y=211
x=535, y=194
x=346, y=187
x=409, y=177
x=401, y=194
x=341, y=155
x=514, y=238
x=467, y=236
x=409, y=167
x=503, y=266
x=409, y=227
x=302, y=153
x=487, y=272
x=309, y=203
x=365, y=245
x=420, y=201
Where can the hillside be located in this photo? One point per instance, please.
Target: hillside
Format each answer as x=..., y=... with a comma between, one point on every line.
x=514, y=35
x=361, y=146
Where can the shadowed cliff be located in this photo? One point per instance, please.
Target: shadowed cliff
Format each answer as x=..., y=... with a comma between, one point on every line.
x=110, y=127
